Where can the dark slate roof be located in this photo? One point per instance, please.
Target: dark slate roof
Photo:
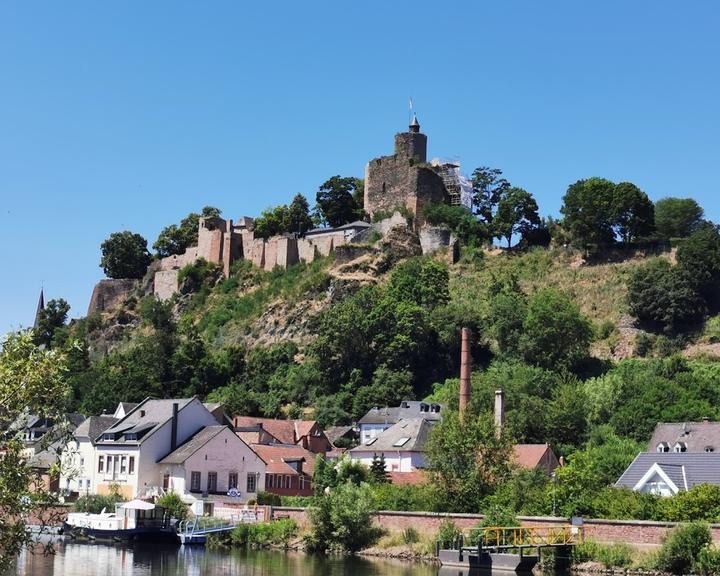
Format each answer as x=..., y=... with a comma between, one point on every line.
x=179, y=455
x=696, y=468
x=93, y=426
x=415, y=430
x=156, y=413
x=334, y=432
x=696, y=435
x=407, y=409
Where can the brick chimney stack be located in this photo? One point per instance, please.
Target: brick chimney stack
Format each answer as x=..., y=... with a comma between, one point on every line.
x=499, y=411
x=465, y=369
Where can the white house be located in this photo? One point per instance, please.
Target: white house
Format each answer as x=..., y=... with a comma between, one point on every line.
x=668, y=473
x=214, y=461
x=78, y=458
x=127, y=453
x=378, y=420
x=402, y=445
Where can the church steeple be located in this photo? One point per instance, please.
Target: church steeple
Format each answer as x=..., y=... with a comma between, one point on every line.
x=40, y=308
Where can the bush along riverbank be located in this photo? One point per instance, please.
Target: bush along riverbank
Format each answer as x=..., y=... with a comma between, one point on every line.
x=688, y=549
x=278, y=534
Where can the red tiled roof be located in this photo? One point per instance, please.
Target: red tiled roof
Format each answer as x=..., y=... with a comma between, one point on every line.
x=285, y=431
x=529, y=455
x=414, y=477
x=276, y=455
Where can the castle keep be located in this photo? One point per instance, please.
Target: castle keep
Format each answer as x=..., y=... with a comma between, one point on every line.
x=404, y=182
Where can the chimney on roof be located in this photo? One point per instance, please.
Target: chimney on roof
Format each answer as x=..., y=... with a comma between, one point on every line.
x=174, y=426
x=465, y=369
x=499, y=411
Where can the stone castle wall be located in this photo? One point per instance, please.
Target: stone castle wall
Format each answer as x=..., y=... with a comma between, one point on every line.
x=110, y=294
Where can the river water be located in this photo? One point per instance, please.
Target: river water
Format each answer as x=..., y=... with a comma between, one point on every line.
x=93, y=559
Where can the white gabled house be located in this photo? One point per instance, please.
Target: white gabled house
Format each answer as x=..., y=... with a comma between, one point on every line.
x=402, y=445
x=214, y=461
x=128, y=452
x=78, y=457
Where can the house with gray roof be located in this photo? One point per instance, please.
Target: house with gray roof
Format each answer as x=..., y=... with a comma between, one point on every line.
x=686, y=437
x=127, y=454
x=214, y=461
x=378, y=419
x=402, y=445
x=668, y=473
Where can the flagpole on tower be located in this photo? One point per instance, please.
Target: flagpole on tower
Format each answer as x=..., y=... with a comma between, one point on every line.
x=410, y=114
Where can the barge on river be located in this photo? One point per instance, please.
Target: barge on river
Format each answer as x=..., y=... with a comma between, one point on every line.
x=132, y=520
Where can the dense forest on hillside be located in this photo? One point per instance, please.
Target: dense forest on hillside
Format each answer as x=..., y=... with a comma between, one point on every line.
x=597, y=326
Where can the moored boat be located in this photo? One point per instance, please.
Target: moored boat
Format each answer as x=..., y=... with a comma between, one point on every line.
x=132, y=520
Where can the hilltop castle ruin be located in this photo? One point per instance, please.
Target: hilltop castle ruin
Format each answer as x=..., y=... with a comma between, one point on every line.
x=402, y=184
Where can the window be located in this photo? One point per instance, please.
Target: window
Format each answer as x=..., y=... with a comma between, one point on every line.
x=709, y=449
x=288, y=481
x=131, y=436
x=370, y=441
x=195, y=481
x=232, y=480
x=109, y=436
x=269, y=480
x=680, y=447
x=401, y=441
x=212, y=482
x=123, y=464
x=302, y=482
x=663, y=447
x=101, y=464
x=82, y=461
x=251, y=482
x=131, y=465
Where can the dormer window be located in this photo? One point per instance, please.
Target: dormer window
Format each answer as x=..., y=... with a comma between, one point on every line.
x=709, y=449
x=663, y=447
x=680, y=447
x=131, y=437
x=108, y=436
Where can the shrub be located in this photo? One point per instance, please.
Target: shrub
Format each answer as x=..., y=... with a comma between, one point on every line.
x=708, y=561
x=410, y=535
x=342, y=521
x=682, y=547
x=95, y=503
x=278, y=533
x=610, y=555
x=447, y=534
x=268, y=499
x=174, y=505
x=644, y=344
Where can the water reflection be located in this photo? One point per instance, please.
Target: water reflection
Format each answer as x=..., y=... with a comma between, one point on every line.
x=83, y=559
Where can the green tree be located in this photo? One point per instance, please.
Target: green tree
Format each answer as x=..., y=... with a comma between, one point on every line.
x=125, y=255
x=555, y=334
x=342, y=520
x=588, y=207
x=633, y=212
x=31, y=380
x=664, y=297
x=378, y=473
x=469, y=230
x=335, y=203
x=467, y=459
x=272, y=222
x=699, y=258
x=177, y=238
x=677, y=217
x=50, y=320
x=299, y=219
x=517, y=213
x=508, y=311
x=489, y=188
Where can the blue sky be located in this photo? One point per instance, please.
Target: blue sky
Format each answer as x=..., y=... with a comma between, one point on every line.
x=129, y=115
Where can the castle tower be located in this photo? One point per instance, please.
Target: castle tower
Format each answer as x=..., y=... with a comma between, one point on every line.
x=412, y=144
x=404, y=181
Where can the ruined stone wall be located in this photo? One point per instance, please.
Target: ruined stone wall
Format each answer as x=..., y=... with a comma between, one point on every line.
x=258, y=253
x=110, y=294
x=411, y=145
x=177, y=261
x=387, y=182
x=165, y=284
x=306, y=250
x=287, y=252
